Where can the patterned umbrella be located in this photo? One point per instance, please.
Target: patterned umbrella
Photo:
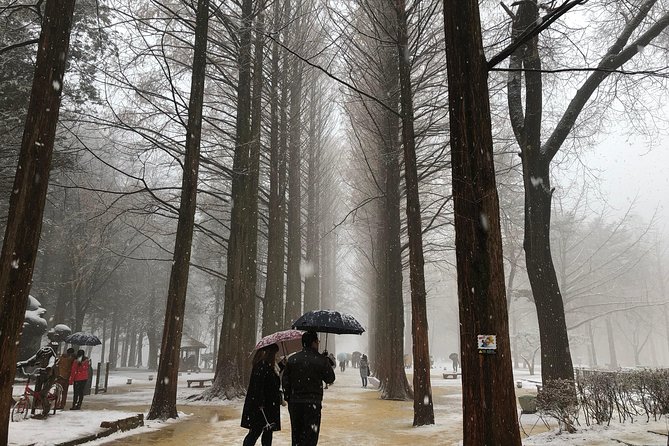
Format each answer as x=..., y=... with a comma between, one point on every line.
x=81, y=338
x=289, y=341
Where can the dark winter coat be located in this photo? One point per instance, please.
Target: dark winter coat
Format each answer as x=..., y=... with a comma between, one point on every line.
x=304, y=376
x=263, y=392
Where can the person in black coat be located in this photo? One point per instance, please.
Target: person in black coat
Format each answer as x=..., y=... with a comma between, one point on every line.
x=263, y=398
x=303, y=386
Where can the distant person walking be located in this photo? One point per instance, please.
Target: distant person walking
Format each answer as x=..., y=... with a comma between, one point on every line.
x=364, y=370
x=79, y=376
x=456, y=361
x=261, y=415
x=303, y=385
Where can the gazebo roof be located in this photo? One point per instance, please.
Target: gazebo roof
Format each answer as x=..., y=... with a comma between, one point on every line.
x=188, y=342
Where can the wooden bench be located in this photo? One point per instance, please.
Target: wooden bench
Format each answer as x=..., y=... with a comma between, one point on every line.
x=201, y=381
x=452, y=375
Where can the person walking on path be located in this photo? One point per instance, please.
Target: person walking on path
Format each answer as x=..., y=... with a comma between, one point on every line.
x=64, y=369
x=364, y=370
x=261, y=415
x=303, y=385
x=456, y=361
x=79, y=377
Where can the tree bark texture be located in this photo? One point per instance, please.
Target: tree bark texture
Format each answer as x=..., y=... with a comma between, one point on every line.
x=390, y=302
x=273, y=300
x=422, y=388
x=294, y=256
x=394, y=384
x=239, y=311
x=489, y=402
x=312, y=298
x=26, y=205
x=163, y=405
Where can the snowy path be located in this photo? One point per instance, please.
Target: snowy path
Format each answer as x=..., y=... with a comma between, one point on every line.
x=351, y=416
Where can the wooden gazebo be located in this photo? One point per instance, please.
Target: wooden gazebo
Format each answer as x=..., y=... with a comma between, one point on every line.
x=190, y=354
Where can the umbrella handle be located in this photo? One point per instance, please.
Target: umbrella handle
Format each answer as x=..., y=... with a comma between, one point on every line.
x=267, y=425
x=326, y=341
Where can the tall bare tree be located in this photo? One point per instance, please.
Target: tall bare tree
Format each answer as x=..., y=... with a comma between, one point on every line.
x=26, y=206
x=537, y=156
x=293, y=308
x=422, y=388
x=239, y=313
x=489, y=402
x=163, y=405
x=273, y=300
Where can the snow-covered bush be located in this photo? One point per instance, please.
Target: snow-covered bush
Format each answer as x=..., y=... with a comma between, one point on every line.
x=558, y=400
x=627, y=394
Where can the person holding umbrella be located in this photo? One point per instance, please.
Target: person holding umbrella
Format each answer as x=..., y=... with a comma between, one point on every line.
x=263, y=398
x=303, y=385
x=79, y=376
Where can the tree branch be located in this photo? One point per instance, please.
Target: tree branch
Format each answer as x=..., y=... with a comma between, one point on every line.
x=545, y=22
x=18, y=45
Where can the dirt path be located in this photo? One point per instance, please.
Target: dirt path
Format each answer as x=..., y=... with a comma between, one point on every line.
x=351, y=416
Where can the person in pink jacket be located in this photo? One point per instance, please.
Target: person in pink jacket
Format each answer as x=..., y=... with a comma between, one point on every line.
x=78, y=377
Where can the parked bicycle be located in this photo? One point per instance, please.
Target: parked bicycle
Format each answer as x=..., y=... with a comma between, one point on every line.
x=40, y=401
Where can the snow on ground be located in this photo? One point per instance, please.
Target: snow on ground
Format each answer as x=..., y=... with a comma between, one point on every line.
x=122, y=401
x=351, y=415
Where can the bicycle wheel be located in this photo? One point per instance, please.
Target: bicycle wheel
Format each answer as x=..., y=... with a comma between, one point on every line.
x=55, y=396
x=21, y=409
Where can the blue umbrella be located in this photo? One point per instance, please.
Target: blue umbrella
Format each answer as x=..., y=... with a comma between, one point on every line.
x=81, y=338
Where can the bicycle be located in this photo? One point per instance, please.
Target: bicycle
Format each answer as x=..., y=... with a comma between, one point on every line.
x=31, y=398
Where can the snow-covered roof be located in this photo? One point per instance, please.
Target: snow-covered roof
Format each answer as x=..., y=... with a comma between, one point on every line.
x=190, y=342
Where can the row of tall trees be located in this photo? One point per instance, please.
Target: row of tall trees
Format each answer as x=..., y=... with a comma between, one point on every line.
x=258, y=148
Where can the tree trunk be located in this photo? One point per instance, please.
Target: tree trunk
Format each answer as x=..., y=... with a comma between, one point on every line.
x=239, y=312
x=113, y=338
x=140, y=343
x=489, y=402
x=132, y=353
x=273, y=301
x=613, y=359
x=104, y=340
x=294, y=256
x=395, y=385
x=217, y=312
x=163, y=405
x=124, y=347
x=312, y=298
x=26, y=205
x=422, y=388
x=592, y=345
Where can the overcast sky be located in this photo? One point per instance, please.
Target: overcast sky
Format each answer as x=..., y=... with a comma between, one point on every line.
x=629, y=170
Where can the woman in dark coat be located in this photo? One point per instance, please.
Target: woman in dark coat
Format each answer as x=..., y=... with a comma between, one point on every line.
x=263, y=398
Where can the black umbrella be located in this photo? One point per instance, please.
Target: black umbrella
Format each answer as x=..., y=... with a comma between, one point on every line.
x=81, y=338
x=328, y=321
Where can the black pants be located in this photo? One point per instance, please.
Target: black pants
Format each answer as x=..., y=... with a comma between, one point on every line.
x=78, y=393
x=252, y=437
x=305, y=423
x=364, y=381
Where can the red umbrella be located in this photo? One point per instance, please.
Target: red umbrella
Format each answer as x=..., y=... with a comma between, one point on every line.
x=289, y=341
